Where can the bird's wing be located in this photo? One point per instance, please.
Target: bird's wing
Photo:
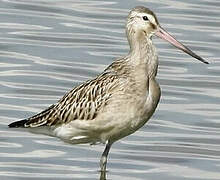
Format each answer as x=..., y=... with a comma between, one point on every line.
x=82, y=102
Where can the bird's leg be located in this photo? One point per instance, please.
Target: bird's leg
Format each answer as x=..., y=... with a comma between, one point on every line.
x=103, y=160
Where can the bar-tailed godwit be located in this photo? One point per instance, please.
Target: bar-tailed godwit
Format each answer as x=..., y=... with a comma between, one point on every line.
x=118, y=101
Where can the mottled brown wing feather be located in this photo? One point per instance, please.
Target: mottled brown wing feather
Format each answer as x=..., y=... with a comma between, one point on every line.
x=82, y=102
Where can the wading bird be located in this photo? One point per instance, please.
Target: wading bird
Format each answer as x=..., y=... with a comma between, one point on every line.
x=118, y=101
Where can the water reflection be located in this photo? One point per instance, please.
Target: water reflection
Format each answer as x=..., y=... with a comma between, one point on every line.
x=102, y=175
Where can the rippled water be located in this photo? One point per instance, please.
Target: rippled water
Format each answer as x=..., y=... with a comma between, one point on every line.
x=48, y=47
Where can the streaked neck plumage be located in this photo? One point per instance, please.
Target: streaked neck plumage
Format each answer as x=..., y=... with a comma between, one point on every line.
x=142, y=50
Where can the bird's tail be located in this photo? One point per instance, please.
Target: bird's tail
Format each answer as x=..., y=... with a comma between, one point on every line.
x=37, y=120
x=17, y=124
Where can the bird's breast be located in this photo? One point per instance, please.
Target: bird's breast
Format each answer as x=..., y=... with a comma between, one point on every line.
x=146, y=105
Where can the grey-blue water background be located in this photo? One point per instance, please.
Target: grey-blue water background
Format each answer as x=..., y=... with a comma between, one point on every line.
x=49, y=46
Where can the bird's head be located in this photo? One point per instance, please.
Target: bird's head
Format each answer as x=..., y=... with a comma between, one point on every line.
x=142, y=22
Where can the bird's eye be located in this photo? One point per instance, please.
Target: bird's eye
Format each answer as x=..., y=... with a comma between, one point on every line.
x=145, y=18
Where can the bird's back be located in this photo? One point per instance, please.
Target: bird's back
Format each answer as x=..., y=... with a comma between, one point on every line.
x=82, y=102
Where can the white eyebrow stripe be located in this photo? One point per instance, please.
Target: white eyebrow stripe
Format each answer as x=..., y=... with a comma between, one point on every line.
x=149, y=16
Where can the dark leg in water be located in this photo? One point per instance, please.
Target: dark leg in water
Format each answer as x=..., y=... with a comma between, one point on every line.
x=103, y=160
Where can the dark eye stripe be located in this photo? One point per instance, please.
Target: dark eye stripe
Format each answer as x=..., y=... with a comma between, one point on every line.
x=145, y=18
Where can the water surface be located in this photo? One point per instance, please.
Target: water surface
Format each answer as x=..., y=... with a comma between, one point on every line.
x=48, y=47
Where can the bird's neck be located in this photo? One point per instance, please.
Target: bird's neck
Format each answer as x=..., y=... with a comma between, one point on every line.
x=143, y=53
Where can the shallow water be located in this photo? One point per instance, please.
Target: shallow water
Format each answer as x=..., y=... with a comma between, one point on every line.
x=48, y=47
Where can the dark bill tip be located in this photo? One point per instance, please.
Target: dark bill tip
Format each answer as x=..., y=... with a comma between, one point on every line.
x=191, y=53
x=166, y=36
